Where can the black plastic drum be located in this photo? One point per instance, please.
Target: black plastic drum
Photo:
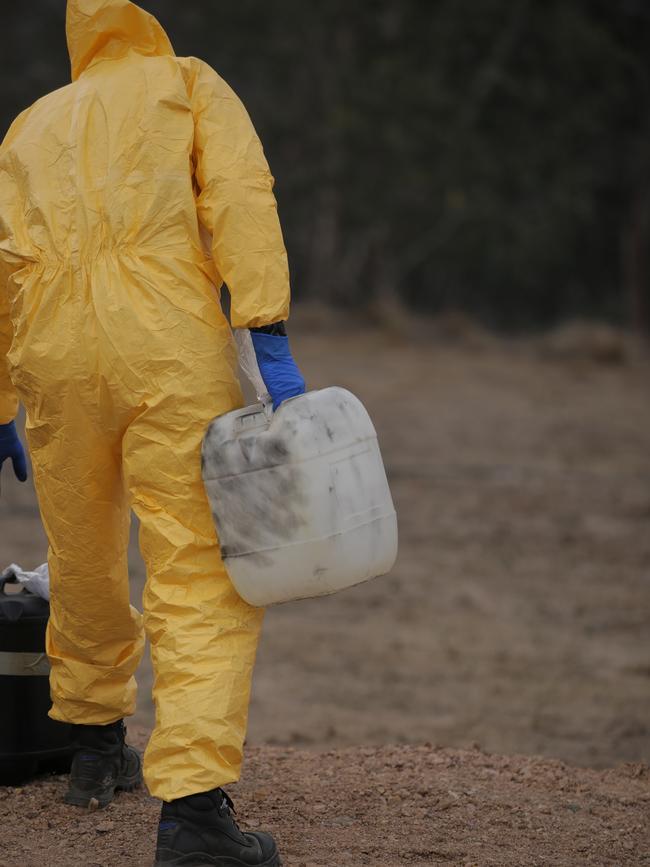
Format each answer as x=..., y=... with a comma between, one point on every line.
x=30, y=742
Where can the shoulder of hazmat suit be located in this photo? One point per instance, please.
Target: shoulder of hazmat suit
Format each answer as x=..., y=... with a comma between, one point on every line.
x=126, y=199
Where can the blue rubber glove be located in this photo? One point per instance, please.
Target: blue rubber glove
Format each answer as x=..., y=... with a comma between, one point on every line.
x=11, y=447
x=279, y=371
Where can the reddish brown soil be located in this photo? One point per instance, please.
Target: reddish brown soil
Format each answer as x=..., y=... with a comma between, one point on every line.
x=379, y=806
x=518, y=613
x=517, y=617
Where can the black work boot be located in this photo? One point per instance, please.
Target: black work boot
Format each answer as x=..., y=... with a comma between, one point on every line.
x=102, y=764
x=199, y=831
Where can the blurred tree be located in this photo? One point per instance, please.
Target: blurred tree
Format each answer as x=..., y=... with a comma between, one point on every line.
x=488, y=156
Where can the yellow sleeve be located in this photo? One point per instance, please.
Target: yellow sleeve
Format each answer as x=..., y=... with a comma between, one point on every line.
x=8, y=396
x=9, y=262
x=235, y=200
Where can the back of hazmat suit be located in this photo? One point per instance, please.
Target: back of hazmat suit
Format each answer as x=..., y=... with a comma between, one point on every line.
x=126, y=198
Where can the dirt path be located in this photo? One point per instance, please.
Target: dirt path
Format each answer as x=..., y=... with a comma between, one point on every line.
x=385, y=807
x=518, y=613
x=517, y=617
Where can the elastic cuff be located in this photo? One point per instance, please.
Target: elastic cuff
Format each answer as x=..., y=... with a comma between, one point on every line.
x=276, y=329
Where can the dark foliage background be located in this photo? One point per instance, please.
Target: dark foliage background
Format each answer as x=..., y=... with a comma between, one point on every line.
x=492, y=156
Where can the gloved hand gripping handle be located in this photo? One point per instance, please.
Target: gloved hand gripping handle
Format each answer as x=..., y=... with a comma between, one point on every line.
x=277, y=366
x=265, y=358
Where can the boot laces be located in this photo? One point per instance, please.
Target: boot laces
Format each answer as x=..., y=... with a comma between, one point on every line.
x=226, y=803
x=228, y=808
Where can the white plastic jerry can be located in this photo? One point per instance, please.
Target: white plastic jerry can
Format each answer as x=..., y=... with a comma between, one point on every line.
x=300, y=498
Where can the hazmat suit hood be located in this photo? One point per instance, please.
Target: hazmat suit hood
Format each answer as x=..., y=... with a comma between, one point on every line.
x=108, y=29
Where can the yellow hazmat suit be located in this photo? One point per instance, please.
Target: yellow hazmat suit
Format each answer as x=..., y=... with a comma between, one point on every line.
x=116, y=345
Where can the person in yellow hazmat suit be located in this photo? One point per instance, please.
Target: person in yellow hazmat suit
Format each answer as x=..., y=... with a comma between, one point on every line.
x=126, y=198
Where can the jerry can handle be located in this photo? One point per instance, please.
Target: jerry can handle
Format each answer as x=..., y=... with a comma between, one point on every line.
x=257, y=418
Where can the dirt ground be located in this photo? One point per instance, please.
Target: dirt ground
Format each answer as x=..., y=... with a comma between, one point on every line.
x=517, y=617
x=518, y=614
x=379, y=806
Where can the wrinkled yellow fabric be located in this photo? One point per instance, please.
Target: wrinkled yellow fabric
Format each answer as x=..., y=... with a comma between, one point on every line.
x=8, y=395
x=117, y=346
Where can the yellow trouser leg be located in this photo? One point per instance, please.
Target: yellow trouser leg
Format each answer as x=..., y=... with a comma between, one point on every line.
x=94, y=637
x=203, y=635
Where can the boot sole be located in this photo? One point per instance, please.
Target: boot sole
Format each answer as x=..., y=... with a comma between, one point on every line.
x=100, y=798
x=199, y=860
